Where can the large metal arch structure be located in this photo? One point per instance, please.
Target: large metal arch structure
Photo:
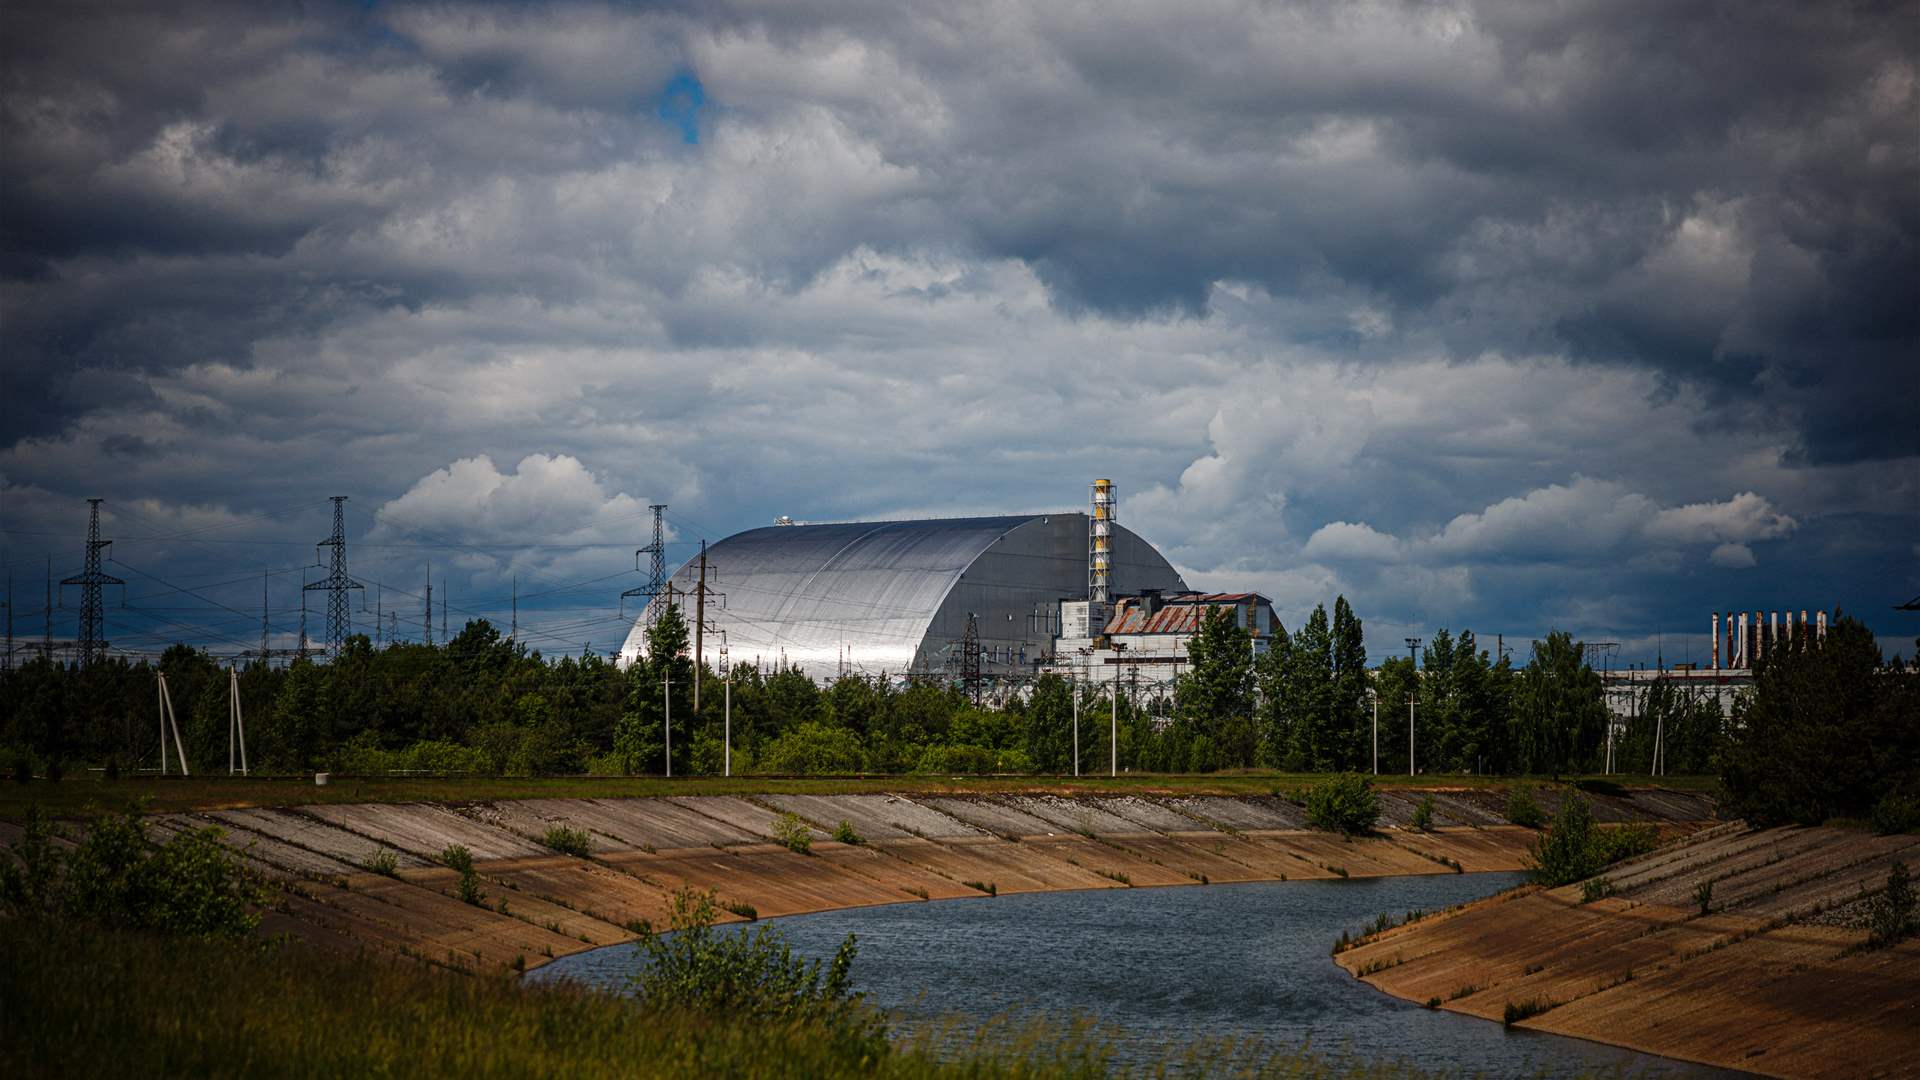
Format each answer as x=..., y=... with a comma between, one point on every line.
x=893, y=597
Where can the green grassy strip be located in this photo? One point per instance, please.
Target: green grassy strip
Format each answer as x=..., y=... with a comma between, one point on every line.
x=85, y=1002
x=78, y=795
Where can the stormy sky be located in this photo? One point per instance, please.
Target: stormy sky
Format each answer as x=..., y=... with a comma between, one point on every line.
x=1507, y=316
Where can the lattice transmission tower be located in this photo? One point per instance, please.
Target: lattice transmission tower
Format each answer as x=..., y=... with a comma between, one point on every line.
x=656, y=585
x=337, y=584
x=92, y=641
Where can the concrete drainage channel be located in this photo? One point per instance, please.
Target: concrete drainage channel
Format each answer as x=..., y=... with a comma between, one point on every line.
x=372, y=875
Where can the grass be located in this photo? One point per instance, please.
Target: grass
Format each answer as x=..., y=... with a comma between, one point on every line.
x=569, y=841
x=85, y=1002
x=83, y=793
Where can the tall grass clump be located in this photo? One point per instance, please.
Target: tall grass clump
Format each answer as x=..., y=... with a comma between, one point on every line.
x=568, y=841
x=753, y=978
x=1423, y=814
x=1890, y=915
x=460, y=860
x=1522, y=809
x=793, y=833
x=1346, y=804
x=844, y=833
x=114, y=875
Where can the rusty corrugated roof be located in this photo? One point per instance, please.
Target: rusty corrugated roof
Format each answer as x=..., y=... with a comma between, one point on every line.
x=1180, y=613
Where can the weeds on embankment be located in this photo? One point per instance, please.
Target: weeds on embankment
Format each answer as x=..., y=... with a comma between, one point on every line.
x=83, y=1001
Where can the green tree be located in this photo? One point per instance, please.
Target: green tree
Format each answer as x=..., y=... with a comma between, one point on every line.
x=1350, y=716
x=1560, y=714
x=1828, y=731
x=1049, y=725
x=1216, y=696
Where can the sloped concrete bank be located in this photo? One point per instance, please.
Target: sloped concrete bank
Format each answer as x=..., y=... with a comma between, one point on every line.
x=1771, y=978
x=540, y=903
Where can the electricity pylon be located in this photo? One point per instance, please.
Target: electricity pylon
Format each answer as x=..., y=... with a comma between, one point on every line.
x=337, y=583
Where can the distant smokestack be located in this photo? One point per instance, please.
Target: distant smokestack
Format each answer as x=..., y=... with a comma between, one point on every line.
x=1716, y=641
x=1100, y=543
x=1820, y=626
x=1803, y=622
x=1746, y=656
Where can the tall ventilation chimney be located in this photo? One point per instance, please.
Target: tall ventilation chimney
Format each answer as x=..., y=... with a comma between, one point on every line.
x=1100, y=543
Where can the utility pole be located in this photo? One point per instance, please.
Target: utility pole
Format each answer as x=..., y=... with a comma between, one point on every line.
x=1113, y=736
x=426, y=621
x=236, y=727
x=666, y=695
x=336, y=584
x=46, y=631
x=514, y=634
x=1076, y=727
x=264, y=576
x=9, y=618
x=1376, y=731
x=168, y=720
x=970, y=660
x=379, y=613
x=444, y=636
x=700, y=626
x=1413, y=644
x=92, y=622
x=726, y=712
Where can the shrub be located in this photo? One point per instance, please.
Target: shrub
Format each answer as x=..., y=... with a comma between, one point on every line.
x=844, y=833
x=1896, y=812
x=1575, y=848
x=988, y=887
x=1596, y=889
x=115, y=875
x=814, y=749
x=383, y=862
x=793, y=833
x=1346, y=804
x=753, y=978
x=1890, y=914
x=55, y=770
x=1423, y=814
x=744, y=910
x=1522, y=809
x=1517, y=1011
x=1703, y=895
x=22, y=767
x=467, y=889
x=112, y=770
x=1625, y=842
x=568, y=841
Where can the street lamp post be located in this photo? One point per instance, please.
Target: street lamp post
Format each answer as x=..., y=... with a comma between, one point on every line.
x=1413, y=645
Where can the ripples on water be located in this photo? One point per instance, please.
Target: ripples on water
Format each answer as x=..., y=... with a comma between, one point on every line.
x=1167, y=966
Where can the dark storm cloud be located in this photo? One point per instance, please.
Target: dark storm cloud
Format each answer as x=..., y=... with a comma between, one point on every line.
x=1656, y=255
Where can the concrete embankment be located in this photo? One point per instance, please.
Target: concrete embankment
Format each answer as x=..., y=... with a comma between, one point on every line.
x=1771, y=979
x=541, y=904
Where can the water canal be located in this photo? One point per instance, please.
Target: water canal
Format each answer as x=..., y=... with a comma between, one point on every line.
x=1166, y=966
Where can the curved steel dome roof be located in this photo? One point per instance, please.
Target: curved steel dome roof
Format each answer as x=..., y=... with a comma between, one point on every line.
x=892, y=596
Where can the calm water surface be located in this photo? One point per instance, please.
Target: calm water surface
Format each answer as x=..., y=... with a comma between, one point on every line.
x=1168, y=965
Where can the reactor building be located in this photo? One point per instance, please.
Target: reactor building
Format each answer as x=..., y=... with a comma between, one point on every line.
x=983, y=597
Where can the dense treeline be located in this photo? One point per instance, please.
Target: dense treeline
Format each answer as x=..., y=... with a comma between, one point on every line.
x=483, y=704
x=1830, y=731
